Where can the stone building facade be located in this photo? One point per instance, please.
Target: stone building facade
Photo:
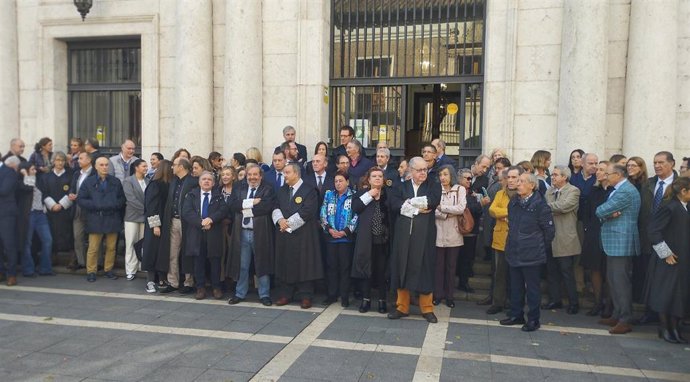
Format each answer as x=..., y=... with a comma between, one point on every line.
x=603, y=75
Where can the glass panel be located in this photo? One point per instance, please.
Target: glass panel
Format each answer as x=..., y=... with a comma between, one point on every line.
x=118, y=65
x=126, y=124
x=89, y=112
x=374, y=112
x=473, y=118
x=427, y=37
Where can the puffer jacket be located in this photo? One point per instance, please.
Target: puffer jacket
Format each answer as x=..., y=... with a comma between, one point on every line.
x=453, y=203
x=499, y=211
x=530, y=231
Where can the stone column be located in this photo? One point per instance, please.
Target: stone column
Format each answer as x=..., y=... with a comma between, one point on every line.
x=651, y=80
x=9, y=80
x=194, y=76
x=583, y=78
x=243, y=93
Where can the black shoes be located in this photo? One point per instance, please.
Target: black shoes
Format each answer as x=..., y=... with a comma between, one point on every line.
x=648, y=318
x=487, y=301
x=668, y=336
x=466, y=288
x=328, y=301
x=513, y=321
x=596, y=310
x=494, y=309
x=365, y=305
x=553, y=305
x=344, y=302
x=530, y=326
x=396, y=314
x=166, y=289
x=436, y=301
x=450, y=303
x=235, y=300
x=573, y=309
x=430, y=317
x=91, y=277
x=186, y=290
x=679, y=336
x=383, y=309
x=265, y=301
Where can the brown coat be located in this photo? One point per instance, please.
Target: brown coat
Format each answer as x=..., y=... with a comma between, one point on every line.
x=564, y=209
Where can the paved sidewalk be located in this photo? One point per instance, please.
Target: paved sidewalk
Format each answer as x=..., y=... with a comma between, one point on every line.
x=64, y=329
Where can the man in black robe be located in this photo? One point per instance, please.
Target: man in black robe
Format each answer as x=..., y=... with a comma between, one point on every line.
x=251, y=206
x=298, y=253
x=413, y=257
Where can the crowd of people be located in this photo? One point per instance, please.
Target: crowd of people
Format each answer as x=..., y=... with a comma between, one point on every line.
x=205, y=225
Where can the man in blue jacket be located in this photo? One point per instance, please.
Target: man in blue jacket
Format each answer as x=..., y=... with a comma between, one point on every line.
x=530, y=232
x=102, y=200
x=620, y=240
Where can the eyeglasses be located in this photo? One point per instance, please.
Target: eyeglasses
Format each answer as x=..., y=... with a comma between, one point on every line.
x=467, y=177
x=419, y=169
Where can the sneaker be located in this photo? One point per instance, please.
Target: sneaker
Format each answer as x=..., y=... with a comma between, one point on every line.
x=131, y=277
x=150, y=287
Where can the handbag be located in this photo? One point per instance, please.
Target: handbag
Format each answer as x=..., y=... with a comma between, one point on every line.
x=465, y=221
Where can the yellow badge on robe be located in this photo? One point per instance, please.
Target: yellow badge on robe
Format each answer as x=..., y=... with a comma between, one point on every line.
x=389, y=182
x=65, y=187
x=298, y=200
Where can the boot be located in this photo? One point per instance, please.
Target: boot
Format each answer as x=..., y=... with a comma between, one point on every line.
x=675, y=323
x=383, y=309
x=665, y=331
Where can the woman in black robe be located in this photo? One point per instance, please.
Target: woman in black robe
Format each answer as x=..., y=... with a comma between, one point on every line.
x=55, y=186
x=666, y=291
x=155, y=197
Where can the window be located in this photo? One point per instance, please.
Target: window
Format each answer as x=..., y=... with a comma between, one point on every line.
x=104, y=87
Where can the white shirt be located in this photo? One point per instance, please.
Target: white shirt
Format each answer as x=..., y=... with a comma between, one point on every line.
x=82, y=175
x=415, y=187
x=58, y=173
x=323, y=178
x=247, y=206
x=667, y=182
x=142, y=184
x=282, y=177
x=201, y=198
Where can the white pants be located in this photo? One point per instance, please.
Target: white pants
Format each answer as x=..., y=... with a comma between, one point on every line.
x=133, y=233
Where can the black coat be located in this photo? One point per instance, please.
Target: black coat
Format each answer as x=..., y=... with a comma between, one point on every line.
x=73, y=189
x=666, y=289
x=593, y=255
x=298, y=254
x=446, y=160
x=155, y=198
x=328, y=184
x=413, y=258
x=361, y=261
x=58, y=187
x=191, y=216
x=264, y=230
x=102, y=208
x=189, y=182
x=9, y=181
x=530, y=231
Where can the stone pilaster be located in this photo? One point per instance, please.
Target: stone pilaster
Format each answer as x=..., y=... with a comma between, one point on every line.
x=650, y=88
x=194, y=76
x=9, y=82
x=583, y=81
x=243, y=94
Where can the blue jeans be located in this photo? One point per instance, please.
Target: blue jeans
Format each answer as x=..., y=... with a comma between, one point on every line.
x=38, y=222
x=246, y=253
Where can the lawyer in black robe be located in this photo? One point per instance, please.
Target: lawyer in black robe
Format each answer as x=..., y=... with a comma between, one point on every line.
x=55, y=189
x=298, y=253
x=413, y=257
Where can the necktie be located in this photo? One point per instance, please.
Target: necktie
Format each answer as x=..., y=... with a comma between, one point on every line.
x=291, y=192
x=280, y=179
x=658, y=196
x=204, y=206
x=246, y=221
x=555, y=194
x=319, y=184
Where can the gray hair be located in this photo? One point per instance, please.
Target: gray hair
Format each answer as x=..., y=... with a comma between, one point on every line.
x=295, y=167
x=565, y=171
x=58, y=155
x=357, y=144
x=584, y=157
x=209, y=173
x=532, y=179
x=12, y=161
x=254, y=165
x=621, y=170
x=464, y=171
x=481, y=157
x=288, y=128
x=441, y=144
x=385, y=152
x=414, y=160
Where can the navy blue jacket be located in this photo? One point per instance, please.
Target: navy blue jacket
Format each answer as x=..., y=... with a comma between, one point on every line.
x=270, y=177
x=530, y=231
x=8, y=185
x=103, y=208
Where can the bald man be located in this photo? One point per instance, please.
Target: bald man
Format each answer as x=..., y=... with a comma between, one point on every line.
x=119, y=164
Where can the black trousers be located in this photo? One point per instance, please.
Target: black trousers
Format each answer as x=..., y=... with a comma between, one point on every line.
x=338, y=264
x=297, y=290
x=466, y=259
x=561, y=269
x=8, y=237
x=522, y=278
x=379, y=272
x=200, y=268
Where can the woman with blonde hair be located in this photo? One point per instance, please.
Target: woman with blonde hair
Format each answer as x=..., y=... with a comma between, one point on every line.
x=255, y=154
x=541, y=160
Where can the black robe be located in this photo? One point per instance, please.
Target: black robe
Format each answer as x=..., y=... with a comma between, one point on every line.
x=57, y=187
x=413, y=258
x=593, y=256
x=264, y=230
x=298, y=254
x=666, y=290
x=361, y=260
x=186, y=264
x=193, y=234
x=155, y=198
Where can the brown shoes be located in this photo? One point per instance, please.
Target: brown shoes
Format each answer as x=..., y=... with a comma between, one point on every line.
x=282, y=301
x=306, y=303
x=621, y=328
x=200, y=293
x=11, y=280
x=609, y=321
x=217, y=293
